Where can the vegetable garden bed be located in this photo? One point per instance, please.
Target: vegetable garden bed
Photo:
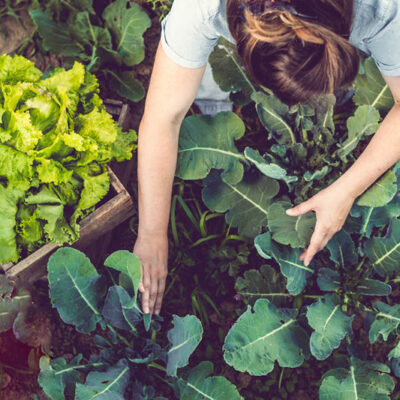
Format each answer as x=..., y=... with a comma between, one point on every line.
x=113, y=212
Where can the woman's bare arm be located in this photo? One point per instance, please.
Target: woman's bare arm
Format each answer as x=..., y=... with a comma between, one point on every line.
x=172, y=91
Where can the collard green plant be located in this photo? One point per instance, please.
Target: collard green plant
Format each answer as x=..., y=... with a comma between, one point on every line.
x=127, y=350
x=103, y=43
x=55, y=142
x=307, y=147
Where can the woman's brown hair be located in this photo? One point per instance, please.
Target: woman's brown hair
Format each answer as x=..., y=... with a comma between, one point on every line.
x=299, y=49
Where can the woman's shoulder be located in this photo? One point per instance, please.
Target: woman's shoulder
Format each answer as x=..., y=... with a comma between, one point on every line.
x=376, y=31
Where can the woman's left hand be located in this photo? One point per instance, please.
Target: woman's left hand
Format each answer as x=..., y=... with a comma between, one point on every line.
x=331, y=205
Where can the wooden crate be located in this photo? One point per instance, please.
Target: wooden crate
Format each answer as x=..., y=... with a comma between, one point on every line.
x=108, y=216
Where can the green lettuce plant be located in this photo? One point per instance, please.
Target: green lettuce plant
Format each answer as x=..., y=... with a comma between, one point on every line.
x=56, y=139
x=126, y=338
x=254, y=178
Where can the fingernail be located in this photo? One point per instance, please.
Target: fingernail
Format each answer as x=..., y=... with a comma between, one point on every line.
x=289, y=211
x=157, y=312
x=146, y=310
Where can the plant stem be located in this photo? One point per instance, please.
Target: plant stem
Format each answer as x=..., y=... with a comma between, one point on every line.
x=122, y=338
x=280, y=378
x=157, y=366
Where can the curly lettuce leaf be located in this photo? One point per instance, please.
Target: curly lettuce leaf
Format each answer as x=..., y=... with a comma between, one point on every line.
x=16, y=69
x=9, y=198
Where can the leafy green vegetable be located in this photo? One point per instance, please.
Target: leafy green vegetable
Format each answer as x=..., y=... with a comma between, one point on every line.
x=330, y=326
x=184, y=338
x=365, y=380
x=264, y=336
x=247, y=201
x=199, y=385
x=55, y=141
x=208, y=142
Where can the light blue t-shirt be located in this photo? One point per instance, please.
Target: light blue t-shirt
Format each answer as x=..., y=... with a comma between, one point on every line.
x=192, y=28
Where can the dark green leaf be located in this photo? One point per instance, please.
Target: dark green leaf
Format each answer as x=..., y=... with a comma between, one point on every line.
x=199, y=385
x=262, y=283
x=247, y=201
x=330, y=326
x=184, y=338
x=207, y=142
x=294, y=270
x=264, y=336
x=76, y=289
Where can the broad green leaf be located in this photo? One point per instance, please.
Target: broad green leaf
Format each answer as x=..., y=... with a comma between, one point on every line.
x=364, y=122
x=128, y=263
x=228, y=71
x=372, y=287
x=57, y=378
x=247, y=202
x=394, y=353
x=371, y=88
x=55, y=35
x=207, y=142
x=268, y=167
x=259, y=338
x=262, y=283
x=330, y=326
x=394, y=357
x=126, y=85
x=11, y=306
x=363, y=381
x=342, y=250
x=116, y=311
x=76, y=289
x=200, y=385
x=294, y=270
x=381, y=192
x=386, y=321
x=293, y=231
x=364, y=219
x=328, y=280
x=89, y=34
x=184, y=338
x=108, y=385
x=384, y=253
x=274, y=116
x=127, y=22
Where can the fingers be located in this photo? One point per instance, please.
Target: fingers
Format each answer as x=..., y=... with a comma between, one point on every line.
x=301, y=209
x=146, y=291
x=160, y=294
x=152, y=288
x=317, y=238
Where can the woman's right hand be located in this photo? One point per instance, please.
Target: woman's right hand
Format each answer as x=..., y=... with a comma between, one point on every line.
x=152, y=251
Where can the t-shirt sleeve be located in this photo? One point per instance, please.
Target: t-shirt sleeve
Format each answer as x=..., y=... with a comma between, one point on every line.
x=385, y=48
x=186, y=35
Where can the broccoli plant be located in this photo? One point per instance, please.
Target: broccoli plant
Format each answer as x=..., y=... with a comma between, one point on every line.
x=125, y=337
x=254, y=178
